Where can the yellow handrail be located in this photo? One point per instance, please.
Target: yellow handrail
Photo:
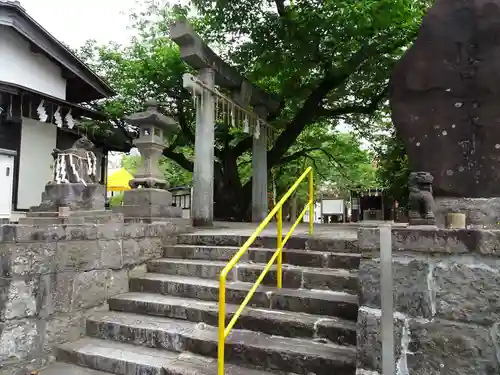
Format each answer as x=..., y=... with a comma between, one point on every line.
x=278, y=255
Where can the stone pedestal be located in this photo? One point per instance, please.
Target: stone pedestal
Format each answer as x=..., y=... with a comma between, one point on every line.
x=148, y=205
x=446, y=301
x=85, y=205
x=74, y=218
x=76, y=196
x=480, y=212
x=421, y=222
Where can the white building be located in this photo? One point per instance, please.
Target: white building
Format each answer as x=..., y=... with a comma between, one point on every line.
x=41, y=84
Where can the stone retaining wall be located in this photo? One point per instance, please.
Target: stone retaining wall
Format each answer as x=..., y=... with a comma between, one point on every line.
x=51, y=277
x=446, y=302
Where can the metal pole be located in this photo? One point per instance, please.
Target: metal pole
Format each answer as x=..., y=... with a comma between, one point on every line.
x=311, y=203
x=386, y=297
x=222, y=325
x=279, y=245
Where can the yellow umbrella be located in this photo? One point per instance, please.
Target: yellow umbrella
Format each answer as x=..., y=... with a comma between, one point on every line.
x=118, y=181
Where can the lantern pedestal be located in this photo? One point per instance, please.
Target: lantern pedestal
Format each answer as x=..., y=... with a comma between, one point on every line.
x=148, y=205
x=148, y=201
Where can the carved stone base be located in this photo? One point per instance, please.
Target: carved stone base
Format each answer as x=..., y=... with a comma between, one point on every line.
x=141, y=197
x=76, y=196
x=148, y=205
x=75, y=217
x=420, y=222
x=480, y=212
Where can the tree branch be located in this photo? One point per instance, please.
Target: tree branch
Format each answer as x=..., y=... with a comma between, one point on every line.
x=280, y=7
x=315, y=167
x=243, y=146
x=309, y=110
x=297, y=155
x=305, y=153
x=183, y=123
x=179, y=159
x=354, y=109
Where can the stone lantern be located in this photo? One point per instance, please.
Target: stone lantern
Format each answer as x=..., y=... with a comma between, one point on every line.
x=153, y=126
x=149, y=200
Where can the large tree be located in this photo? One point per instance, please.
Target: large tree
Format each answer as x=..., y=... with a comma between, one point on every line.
x=393, y=169
x=329, y=61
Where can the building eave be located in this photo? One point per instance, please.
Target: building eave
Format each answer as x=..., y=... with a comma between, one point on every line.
x=12, y=15
x=78, y=111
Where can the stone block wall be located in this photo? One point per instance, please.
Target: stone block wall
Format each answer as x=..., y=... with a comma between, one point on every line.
x=52, y=277
x=446, y=302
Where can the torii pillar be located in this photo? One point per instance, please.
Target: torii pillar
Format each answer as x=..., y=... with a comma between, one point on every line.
x=260, y=206
x=215, y=71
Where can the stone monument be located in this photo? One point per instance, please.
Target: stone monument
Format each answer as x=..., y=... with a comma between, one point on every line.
x=74, y=191
x=421, y=206
x=148, y=200
x=444, y=97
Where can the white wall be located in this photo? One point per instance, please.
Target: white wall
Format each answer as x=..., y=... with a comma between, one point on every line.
x=38, y=139
x=332, y=206
x=18, y=65
x=317, y=214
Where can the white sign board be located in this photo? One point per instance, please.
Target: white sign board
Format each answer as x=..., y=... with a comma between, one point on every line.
x=332, y=206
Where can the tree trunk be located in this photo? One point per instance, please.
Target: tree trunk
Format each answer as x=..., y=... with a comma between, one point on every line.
x=232, y=201
x=293, y=208
x=227, y=205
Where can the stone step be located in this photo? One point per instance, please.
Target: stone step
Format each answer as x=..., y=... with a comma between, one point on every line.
x=242, y=347
x=294, y=277
x=126, y=359
x=295, y=242
x=60, y=368
x=272, y=322
x=320, y=302
x=115, y=357
x=190, y=364
x=306, y=258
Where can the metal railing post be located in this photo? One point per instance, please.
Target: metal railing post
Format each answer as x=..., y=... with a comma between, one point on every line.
x=279, y=245
x=277, y=211
x=222, y=325
x=386, y=297
x=311, y=202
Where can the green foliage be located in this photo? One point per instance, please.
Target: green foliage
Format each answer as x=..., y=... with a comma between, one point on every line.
x=393, y=170
x=116, y=200
x=329, y=61
x=175, y=175
x=339, y=161
x=332, y=58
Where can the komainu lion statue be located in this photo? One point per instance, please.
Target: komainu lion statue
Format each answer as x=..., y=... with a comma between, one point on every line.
x=77, y=164
x=421, y=205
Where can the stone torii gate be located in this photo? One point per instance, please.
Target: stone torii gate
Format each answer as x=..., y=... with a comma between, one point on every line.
x=213, y=71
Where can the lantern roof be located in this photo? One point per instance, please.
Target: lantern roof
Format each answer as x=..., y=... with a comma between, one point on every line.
x=152, y=116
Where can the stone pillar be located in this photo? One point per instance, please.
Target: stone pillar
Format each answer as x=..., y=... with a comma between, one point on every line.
x=259, y=172
x=203, y=176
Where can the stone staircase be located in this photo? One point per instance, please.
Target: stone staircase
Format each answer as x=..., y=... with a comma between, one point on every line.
x=167, y=324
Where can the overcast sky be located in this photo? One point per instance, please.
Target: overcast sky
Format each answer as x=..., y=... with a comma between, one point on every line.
x=73, y=22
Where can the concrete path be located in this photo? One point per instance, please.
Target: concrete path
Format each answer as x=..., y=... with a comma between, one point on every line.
x=324, y=231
